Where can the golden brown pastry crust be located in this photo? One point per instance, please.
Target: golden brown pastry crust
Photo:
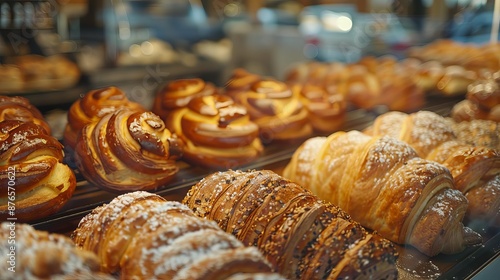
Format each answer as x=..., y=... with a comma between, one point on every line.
x=433, y=138
x=217, y=132
x=93, y=106
x=143, y=236
x=304, y=237
x=20, y=108
x=177, y=94
x=31, y=167
x=478, y=132
x=384, y=185
x=127, y=151
x=43, y=255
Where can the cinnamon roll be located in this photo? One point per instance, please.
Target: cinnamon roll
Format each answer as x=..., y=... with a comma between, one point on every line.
x=177, y=94
x=20, y=108
x=91, y=107
x=218, y=133
x=31, y=169
x=127, y=151
x=276, y=108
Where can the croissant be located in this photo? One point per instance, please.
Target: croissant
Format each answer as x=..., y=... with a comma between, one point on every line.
x=91, y=107
x=304, y=237
x=218, y=133
x=34, y=181
x=127, y=151
x=177, y=94
x=21, y=109
x=274, y=106
x=42, y=255
x=142, y=236
x=434, y=139
x=383, y=184
x=478, y=132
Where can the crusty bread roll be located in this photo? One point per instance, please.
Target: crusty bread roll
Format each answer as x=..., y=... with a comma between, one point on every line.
x=127, y=151
x=304, y=237
x=140, y=235
x=93, y=106
x=217, y=133
x=32, y=175
x=20, y=108
x=43, y=255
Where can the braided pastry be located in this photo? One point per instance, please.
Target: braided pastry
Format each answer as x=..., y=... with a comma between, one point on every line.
x=177, y=94
x=42, y=255
x=143, y=236
x=384, y=185
x=31, y=168
x=433, y=138
x=94, y=105
x=304, y=237
x=274, y=107
x=218, y=133
x=20, y=108
x=126, y=151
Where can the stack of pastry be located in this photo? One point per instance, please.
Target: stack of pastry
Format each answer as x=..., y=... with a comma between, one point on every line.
x=127, y=150
x=38, y=73
x=304, y=237
x=383, y=184
x=93, y=106
x=482, y=100
x=42, y=255
x=140, y=235
x=273, y=105
x=474, y=168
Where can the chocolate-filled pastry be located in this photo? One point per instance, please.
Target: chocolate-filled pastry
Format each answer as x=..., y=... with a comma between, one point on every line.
x=433, y=138
x=43, y=255
x=143, y=236
x=32, y=175
x=383, y=184
x=326, y=109
x=127, y=151
x=301, y=235
x=177, y=94
x=93, y=106
x=275, y=107
x=217, y=132
x=20, y=108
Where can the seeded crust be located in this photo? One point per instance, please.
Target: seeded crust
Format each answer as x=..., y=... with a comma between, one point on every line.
x=301, y=235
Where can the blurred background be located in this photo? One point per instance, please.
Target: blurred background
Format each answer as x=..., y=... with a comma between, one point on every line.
x=141, y=44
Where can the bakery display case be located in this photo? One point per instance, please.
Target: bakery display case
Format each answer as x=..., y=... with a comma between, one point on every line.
x=301, y=165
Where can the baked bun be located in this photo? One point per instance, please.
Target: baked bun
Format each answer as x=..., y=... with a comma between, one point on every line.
x=177, y=94
x=240, y=81
x=276, y=108
x=11, y=78
x=20, y=108
x=478, y=132
x=31, y=167
x=326, y=109
x=217, y=132
x=484, y=93
x=127, y=151
x=43, y=255
x=142, y=236
x=304, y=237
x=93, y=106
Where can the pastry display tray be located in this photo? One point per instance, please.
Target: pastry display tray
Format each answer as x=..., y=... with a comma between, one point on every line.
x=411, y=264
